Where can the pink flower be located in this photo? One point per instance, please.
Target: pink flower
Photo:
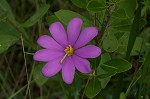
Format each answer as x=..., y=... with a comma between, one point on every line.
x=67, y=51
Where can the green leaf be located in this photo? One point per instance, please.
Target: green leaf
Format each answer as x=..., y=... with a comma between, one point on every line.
x=6, y=8
x=104, y=81
x=121, y=24
x=123, y=41
x=103, y=76
x=135, y=30
x=93, y=88
x=129, y=6
x=108, y=68
x=39, y=14
x=105, y=57
x=83, y=76
x=65, y=16
x=147, y=44
x=120, y=13
x=95, y=62
x=8, y=36
x=118, y=65
x=79, y=3
x=96, y=6
x=119, y=35
x=122, y=95
x=40, y=79
x=142, y=23
x=106, y=75
x=110, y=43
x=137, y=46
x=51, y=19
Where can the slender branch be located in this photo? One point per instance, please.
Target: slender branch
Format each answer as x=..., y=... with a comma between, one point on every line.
x=25, y=62
x=104, y=29
x=19, y=79
x=82, y=97
x=63, y=89
x=11, y=73
x=98, y=21
x=96, y=38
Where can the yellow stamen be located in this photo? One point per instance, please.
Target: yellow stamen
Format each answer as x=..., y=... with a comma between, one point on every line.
x=69, y=51
x=63, y=58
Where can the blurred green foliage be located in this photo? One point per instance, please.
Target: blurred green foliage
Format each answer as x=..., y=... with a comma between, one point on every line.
x=121, y=72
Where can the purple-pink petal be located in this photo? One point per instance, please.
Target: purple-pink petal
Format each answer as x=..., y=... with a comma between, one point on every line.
x=52, y=67
x=73, y=30
x=86, y=35
x=48, y=42
x=81, y=64
x=68, y=70
x=58, y=33
x=46, y=55
x=89, y=51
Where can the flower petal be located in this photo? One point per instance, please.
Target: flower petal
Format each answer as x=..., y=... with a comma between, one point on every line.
x=73, y=30
x=89, y=51
x=49, y=43
x=52, y=67
x=46, y=55
x=58, y=33
x=68, y=70
x=81, y=64
x=86, y=35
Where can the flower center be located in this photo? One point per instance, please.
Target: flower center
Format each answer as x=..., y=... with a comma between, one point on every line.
x=69, y=51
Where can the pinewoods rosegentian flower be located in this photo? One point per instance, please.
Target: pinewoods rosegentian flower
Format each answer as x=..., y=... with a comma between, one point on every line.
x=67, y=51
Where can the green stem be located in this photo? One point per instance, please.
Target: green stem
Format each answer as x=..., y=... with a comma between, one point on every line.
x=82, y=97
x=106, y=24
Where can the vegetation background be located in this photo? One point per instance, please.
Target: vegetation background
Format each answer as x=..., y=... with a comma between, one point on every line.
x=121, y=72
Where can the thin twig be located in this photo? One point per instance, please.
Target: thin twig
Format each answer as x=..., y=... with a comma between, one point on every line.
x=96, y=38
x=29, y=53
x=82, y=97
x=25, y=64
x=110, y=10
x=41, y=93
x=134, y=80
x=63, y=89
x=19, y=78
x=98, y=21
x=11, y=73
